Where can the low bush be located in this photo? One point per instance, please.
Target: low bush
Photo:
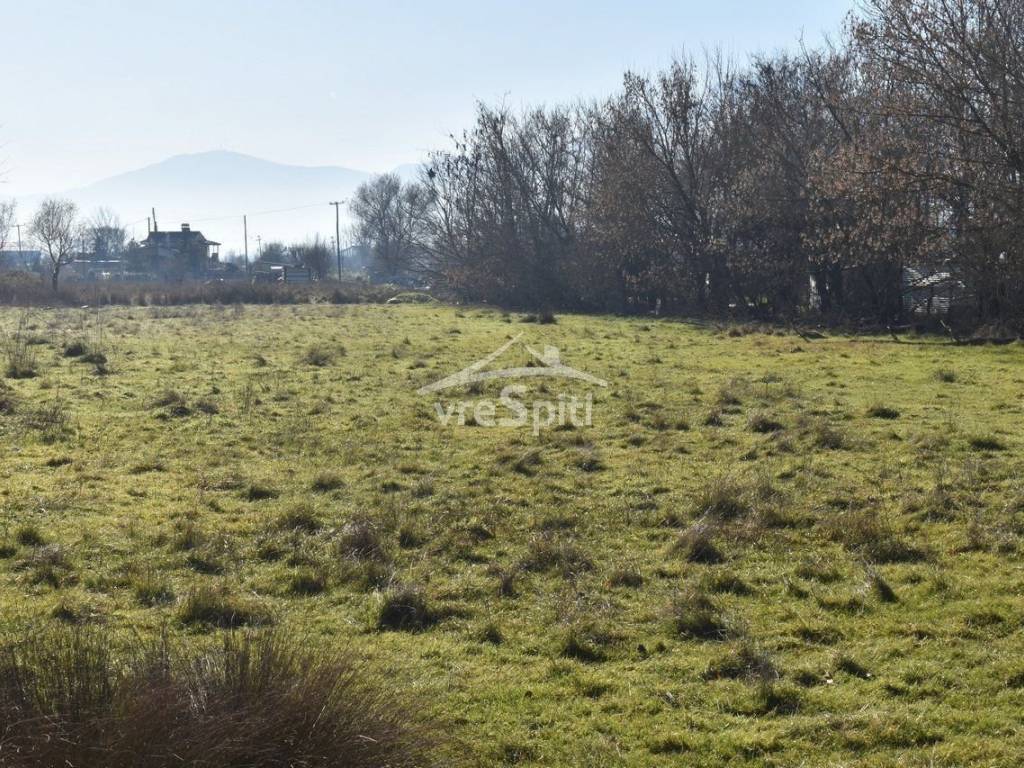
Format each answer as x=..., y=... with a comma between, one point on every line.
x=187, y=536
x=207, y=406
x=366, y=575
x=491, y=633
x=95, y=357
x=410, y=536
x=207, y=559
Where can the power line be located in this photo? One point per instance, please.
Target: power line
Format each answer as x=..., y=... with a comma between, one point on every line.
x=256, y=213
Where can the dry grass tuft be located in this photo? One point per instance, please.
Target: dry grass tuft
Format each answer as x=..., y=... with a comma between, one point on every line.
x=875, y=538
x=317, y=356
x=743, y=662
x=693, y=614
x=405, y=608
x=764, y=424
x=216, y=607
x=882, y=411
x=301, y=517
x=697, y=545
x=68, y=698
x=724, y=497
x=363, y=539
x=548, y=551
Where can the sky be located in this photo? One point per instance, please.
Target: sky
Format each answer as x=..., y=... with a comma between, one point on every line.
x=93, y=88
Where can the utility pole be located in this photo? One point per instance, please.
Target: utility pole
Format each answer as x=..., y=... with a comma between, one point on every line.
x=259, y=246
x=245, y=229
x=337, y=234
x=19, y=240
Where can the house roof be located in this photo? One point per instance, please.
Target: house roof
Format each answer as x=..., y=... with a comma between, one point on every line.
x=178, y=238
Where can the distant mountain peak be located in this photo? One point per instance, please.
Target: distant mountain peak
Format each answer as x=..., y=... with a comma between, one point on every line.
x=222, y=161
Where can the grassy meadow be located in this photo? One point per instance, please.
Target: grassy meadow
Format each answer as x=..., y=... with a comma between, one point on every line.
x=766, y=550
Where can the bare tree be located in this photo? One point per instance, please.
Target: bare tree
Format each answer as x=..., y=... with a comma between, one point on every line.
x=56, y=228
x=389, y=219
x=8, y=212
x=961, y=65
x=274, y=252
x=508, y=204
x=674, y=120
x=106, y=235
x=314, y=255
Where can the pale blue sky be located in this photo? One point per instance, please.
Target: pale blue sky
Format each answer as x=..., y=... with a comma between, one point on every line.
x=94, y=87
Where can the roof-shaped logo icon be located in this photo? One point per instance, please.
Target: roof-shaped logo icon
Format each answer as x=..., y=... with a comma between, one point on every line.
x=550, y=366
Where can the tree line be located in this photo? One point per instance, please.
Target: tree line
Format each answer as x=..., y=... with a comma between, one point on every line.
x=836, y=180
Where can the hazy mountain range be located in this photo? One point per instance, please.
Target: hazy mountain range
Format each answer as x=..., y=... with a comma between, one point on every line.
x=211, y=190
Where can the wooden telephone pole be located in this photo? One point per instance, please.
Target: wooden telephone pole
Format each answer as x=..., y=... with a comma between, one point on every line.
x=337, y=234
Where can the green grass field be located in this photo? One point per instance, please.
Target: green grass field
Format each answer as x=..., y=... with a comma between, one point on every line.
x=765, y=551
